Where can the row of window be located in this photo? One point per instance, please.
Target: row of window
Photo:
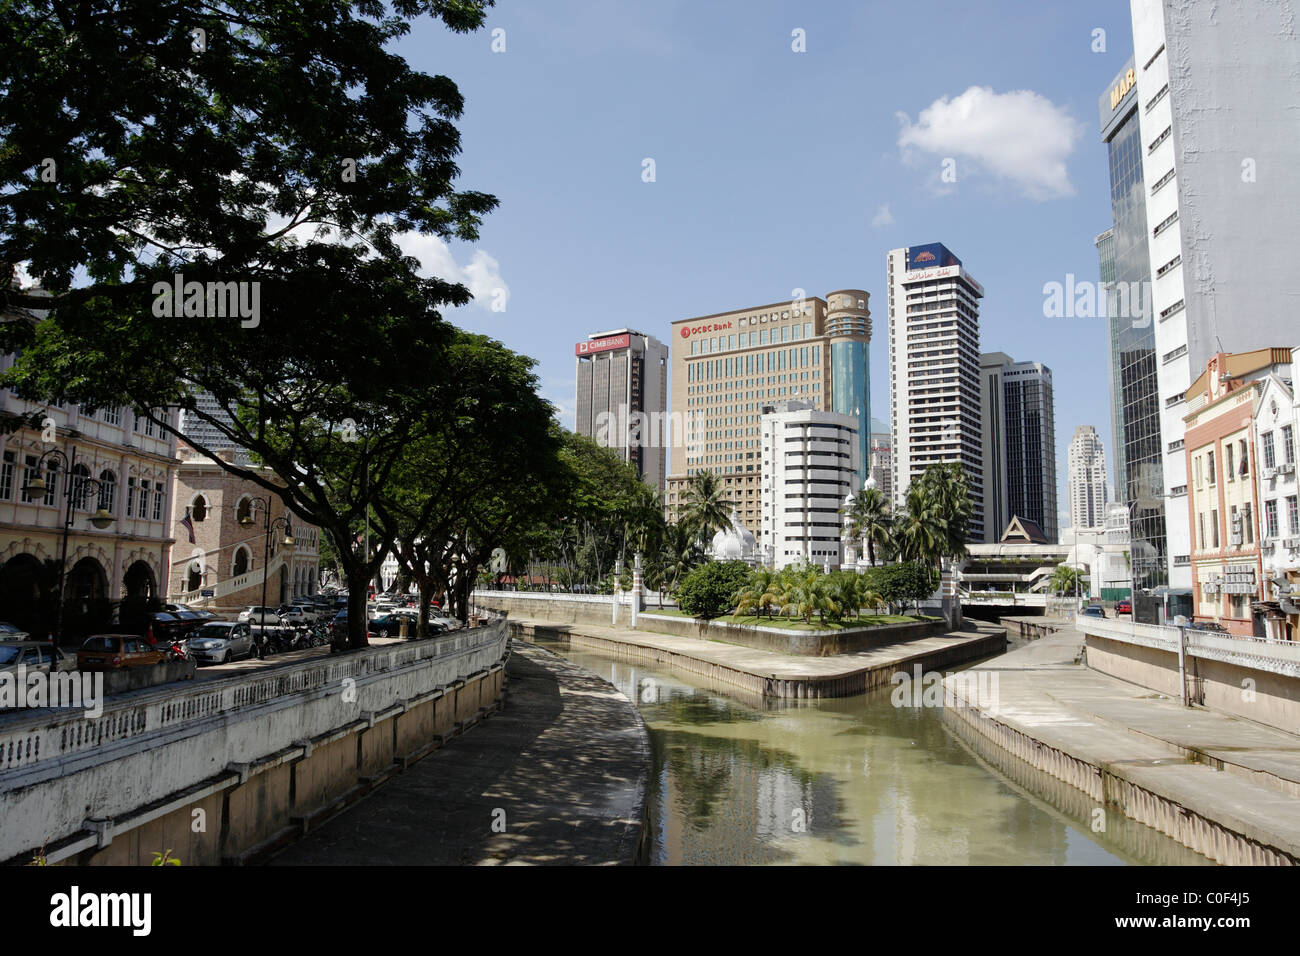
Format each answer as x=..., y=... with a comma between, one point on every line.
x=144, y=497
x=723, y=343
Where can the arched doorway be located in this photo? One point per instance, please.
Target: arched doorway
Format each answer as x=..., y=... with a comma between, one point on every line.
x=20, y=595
x=86, y=607
x=138, y=582
x=140, y=597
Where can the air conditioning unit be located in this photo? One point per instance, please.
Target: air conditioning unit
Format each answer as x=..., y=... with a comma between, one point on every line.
x=1286, y=468
x=1266, y=546
x=1292, y=543
x=1269, y=473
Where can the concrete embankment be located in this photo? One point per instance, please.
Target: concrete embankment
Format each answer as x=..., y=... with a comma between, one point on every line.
x=1223, y=786
x=558, y=775
x=767, y=674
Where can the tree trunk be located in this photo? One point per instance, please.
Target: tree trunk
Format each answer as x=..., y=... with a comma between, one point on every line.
x=358, y=577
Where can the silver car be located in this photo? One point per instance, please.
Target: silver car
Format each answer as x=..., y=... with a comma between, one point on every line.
x=33, y=656
x=219, y=642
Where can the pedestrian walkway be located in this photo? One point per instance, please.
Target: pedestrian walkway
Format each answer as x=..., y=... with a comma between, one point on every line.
x=1242, y=776
x=778, y=675
x=559, y=775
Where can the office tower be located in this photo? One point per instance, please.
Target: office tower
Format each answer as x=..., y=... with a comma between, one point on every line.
x=728, y=365
x=934, y=369
x=882, y=460
x=811, y=464
x=1217, y=86
x=1126, y=276
x=622, y=391
x=1087, y=477
x=1017, y=410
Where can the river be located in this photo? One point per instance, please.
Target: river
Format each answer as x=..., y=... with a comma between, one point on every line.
x=854, y=780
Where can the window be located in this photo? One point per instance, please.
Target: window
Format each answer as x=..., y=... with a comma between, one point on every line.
x=80, y=489
x=158, y=502
x=1229, y=472
x=107, y=490
x=1293, y=516
x=1214, y=525
x=1245, y=459
x=7, y=475
x=144, y=499
x=1288, y=445
x=112, y=416
x=1209, y=468
x=1266, y=440
x=1200, y=520
x=130, y=496
x=244, y=509
x=240, y=565
x=1248, y=522
x=1270, y=519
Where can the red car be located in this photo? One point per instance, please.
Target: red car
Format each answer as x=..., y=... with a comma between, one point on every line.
x=1124, y=607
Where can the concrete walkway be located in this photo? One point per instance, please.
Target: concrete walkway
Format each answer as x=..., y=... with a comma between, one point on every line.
x=559, y=775
x=778, y=675
x=1242, y=776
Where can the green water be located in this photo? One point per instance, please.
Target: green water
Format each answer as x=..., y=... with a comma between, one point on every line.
x=851, y=780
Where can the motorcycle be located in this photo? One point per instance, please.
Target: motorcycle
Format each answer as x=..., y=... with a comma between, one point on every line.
x=176, y=651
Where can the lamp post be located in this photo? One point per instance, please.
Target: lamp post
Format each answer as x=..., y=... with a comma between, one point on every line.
x=75, y=487
x=248, y=521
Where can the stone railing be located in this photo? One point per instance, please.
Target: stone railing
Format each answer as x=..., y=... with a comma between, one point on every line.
x=59, y=767
x=231, y=585
x=1277, y=657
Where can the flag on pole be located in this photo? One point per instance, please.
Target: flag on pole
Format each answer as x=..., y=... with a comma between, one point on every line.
x=188, y=525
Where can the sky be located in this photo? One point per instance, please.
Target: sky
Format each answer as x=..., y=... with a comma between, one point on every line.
x=776, y=169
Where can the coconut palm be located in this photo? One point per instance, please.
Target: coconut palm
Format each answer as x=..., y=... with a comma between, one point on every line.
x=849, y=590
x=1064, y=579
x=807, y=593
x=708, y=505
x=920, y=532
x=679, y=554
x=760, y=594
x=948, y=490
x=869, y=519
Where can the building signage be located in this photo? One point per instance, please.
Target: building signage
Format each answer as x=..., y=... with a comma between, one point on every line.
x=921, y=275
x=689, y=330
x=930, y=255
x=1120, y=90
x=592, y=346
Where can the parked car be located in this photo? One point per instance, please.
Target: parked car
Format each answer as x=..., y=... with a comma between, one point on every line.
x=259, y=615
x=1093, y=610
x=443, y=621
x=219, y=642
x=168, y=626
x=292, y=614
x=390, y=625
x=105, y=652
x=203, y=613
x=32, y=655
x=1124, y=607
x=9, y=632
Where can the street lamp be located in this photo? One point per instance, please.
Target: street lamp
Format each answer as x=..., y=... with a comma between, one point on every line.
x=75, y=486
x=248, y=521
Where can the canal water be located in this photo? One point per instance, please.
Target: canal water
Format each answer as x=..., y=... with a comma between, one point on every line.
x=850, y=780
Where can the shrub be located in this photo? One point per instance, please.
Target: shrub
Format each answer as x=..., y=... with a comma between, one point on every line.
x=711, y=589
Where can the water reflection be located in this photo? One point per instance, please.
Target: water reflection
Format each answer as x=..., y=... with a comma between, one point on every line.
x=850, y=780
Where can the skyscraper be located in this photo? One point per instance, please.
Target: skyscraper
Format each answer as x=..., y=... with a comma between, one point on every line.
x=1018, y=417
x=1087, y=477
x=934, y=365
x=728, y=365
x=1126, y=275
x=622, y=394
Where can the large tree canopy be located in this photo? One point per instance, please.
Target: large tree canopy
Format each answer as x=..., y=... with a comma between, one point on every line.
x=277, y=146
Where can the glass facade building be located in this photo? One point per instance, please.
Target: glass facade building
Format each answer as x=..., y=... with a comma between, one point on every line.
x=851, y=393
x=1126, y=272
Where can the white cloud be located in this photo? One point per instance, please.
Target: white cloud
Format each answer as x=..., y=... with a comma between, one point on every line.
x=481, y=275
x=883, y=217
x=1020, y=137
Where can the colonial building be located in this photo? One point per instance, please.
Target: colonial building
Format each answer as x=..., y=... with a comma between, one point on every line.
x=224, y=567
x=1224, y=507
x=121, y=467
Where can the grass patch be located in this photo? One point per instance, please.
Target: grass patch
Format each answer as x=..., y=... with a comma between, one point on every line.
x=797, y=624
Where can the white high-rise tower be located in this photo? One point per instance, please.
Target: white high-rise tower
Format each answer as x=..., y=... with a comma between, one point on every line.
x=1087, y=462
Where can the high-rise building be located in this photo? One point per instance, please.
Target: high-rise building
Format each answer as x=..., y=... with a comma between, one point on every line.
x=622, y=394
x=934, y=365
x=881, y=469
x=1017, y=410
x=728, y=365
x=1134, y=391
x=811, y=464
x=1217, y=84
x=1087, y=477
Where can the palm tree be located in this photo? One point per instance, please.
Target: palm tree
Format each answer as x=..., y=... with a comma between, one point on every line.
x=850, y=591
x=1064, y=579
x=760, y=594
x=708, y=506
x=946, y=484
x=920, y=532
x=869, y=519
x=679, y=554
x=806, y=593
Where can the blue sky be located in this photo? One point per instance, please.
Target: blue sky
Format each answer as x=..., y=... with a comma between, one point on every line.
x=777, y=170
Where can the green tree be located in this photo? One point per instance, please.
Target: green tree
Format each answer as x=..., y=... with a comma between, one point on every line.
x=760, y=594
x=1064, y=580
x=711, y=589
x=708, y=505
x=870, y=521
x=277, y=159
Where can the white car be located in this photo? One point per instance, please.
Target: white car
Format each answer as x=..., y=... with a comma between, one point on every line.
x=293, y=615
x=259, y=615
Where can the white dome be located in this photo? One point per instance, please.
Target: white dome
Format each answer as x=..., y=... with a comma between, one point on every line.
x=735, y=543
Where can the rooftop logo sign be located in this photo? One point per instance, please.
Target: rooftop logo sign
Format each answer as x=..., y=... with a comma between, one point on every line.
x=607, y=344
x=689, y=330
